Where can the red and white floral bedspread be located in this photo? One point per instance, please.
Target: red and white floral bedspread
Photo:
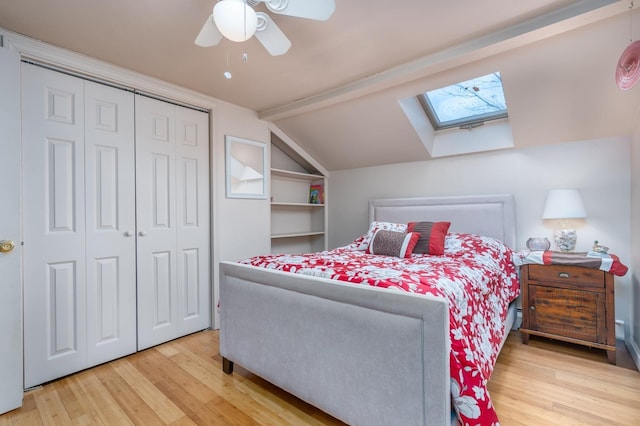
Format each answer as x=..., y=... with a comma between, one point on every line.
x=475, y=273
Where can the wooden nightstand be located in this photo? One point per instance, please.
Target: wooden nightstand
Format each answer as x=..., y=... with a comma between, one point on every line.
x=569, y=303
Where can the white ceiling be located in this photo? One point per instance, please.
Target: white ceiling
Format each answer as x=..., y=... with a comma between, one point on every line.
x=336, y=91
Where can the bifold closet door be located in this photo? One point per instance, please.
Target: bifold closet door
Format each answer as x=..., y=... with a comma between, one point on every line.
x=79, y=276
x=172, y=198
x=110, y=222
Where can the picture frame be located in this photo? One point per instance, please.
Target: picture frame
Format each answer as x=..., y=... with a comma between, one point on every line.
x=245, y=168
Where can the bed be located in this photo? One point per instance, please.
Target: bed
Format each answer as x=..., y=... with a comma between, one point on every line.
x=367, y=355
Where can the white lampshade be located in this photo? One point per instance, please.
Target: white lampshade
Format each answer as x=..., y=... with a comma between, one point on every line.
x=235, y=19
x=564, y=204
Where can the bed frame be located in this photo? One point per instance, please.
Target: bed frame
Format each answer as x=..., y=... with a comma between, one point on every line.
x=365, y=355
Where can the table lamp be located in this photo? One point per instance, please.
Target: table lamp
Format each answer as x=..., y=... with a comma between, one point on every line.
x=564, y=204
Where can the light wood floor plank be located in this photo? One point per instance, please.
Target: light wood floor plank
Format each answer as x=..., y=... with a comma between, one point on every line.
x=107, y=408
x=75, y=401
x=179, y=383
x=143, y=386
x=126, y=397
x=52, y=410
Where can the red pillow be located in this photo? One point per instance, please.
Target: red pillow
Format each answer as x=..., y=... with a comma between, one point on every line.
x=432, y=235
x=393, y=243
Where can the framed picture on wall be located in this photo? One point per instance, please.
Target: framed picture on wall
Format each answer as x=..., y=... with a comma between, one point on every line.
x=246, y=168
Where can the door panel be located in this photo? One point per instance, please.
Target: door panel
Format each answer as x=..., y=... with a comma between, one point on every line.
x=11, y=384
x=54, y=236
x=192, y=187
x=110, y=222
x=156, y=222
x=62, y=309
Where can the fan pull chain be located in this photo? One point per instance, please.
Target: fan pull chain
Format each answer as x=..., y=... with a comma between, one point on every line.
x=227, y=74
x=245, y=57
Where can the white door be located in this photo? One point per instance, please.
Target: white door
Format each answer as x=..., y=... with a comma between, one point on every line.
x=156, y=220
x=172, y=210
x=10, y=284
x=193, y=220
x=110, y=222
x=79, y=224
x=54, y=224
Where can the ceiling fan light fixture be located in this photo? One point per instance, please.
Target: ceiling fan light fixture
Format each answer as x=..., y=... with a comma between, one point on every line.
x=235, y=20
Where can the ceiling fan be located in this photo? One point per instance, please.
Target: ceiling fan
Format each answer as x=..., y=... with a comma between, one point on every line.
x=237, y=21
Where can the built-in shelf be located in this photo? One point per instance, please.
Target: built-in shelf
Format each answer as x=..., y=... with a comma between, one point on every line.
x=297, y=226
x=295, y=175
x=302, y=205
x=296, y=235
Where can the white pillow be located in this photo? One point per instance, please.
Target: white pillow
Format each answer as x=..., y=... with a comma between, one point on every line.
x=376, y=226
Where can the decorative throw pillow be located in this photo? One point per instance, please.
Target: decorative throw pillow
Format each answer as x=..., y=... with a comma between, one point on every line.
x=432, y=236
x=393, y=243
x=376, y=226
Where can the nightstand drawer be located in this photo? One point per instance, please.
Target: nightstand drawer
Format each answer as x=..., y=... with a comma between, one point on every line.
x=567, y=274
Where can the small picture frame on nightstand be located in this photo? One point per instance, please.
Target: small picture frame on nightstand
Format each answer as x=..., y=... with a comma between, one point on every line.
x=538, y=244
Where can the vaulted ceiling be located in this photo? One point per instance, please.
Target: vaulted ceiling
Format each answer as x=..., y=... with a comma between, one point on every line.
x=336, y=91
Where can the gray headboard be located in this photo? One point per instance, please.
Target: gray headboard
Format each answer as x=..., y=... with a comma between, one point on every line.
x=488, y=215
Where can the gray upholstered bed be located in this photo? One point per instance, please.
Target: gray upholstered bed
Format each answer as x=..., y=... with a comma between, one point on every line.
x=321, y=340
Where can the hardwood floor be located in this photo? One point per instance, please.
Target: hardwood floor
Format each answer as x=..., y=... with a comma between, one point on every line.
x=181, y=382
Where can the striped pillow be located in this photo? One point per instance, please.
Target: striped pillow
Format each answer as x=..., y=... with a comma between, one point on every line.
x=432, y=235
x=393, y=243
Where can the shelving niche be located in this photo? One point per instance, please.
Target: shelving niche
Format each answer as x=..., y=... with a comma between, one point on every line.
x=297, y=226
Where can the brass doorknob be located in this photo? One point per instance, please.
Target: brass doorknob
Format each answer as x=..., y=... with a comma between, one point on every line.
x=7, y=246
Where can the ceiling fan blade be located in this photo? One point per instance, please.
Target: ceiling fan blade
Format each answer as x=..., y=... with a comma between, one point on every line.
x=320, y=10
x=209, y=35
x=271, y=37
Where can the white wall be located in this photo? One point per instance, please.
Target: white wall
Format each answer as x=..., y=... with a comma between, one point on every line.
x=242, y=225
x=601, y=169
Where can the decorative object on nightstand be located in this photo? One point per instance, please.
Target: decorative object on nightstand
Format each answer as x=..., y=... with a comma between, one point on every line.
x=564, y=204
x=599, y=248
x=538, y=244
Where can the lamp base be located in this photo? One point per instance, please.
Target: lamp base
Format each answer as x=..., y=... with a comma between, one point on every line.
x=565, y=239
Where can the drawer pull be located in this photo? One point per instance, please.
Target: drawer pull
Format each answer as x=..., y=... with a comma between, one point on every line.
x=563, y=275
x=532, y=308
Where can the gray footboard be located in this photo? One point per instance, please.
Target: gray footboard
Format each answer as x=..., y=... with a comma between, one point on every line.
x=367, y=356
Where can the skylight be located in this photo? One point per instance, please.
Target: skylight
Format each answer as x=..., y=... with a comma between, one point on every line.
x=466, y=104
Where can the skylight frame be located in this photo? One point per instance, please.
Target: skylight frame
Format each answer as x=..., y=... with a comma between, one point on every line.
x=465, y=121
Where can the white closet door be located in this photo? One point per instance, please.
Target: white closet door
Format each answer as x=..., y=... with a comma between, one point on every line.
x=110, y=223
x=172, y=198
x=156, y=220
x=54, y=226
x=10, y=281
x=193, y=221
